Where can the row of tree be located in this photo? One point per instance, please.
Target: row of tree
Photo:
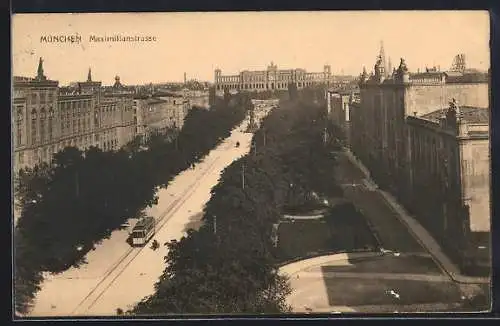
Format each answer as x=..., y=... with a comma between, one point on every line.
x=77, y=201
x=230, y=264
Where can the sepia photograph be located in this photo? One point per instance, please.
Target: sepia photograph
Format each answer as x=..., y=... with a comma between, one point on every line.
x=227, y=163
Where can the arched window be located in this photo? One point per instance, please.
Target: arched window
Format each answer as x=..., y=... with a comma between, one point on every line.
x=33, y=126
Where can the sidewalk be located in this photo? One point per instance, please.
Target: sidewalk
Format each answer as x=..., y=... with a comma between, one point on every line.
x=295, y=267
x=425, y=308
x=420, y=233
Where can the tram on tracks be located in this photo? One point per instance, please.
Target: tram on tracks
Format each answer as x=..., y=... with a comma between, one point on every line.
x=143, y=231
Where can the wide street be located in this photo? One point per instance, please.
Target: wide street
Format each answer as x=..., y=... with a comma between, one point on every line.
x=402, y=277
x=118, y=276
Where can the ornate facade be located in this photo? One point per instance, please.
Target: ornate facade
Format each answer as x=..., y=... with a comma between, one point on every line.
x=429, y=151
x=47, y=118
x=270, y=79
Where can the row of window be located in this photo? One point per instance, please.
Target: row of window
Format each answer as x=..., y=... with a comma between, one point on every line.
x=261, y=86
x=75, y=126
x=278, y=77
x=34, y=114
x=42, y=96
x=71, y=105
x=45, y=154
x=46, y=129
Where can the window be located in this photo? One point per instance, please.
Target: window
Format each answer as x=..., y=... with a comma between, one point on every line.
x=36, y=156
x=19, y=124
x=42, y=125
x=19, y=133
x=50, y=125
x=21, y=158
x=33, y=126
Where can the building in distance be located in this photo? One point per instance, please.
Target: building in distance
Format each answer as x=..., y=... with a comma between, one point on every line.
x=274, y=79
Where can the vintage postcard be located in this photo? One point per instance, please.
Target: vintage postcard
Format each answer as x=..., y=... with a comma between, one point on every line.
x=232, y=163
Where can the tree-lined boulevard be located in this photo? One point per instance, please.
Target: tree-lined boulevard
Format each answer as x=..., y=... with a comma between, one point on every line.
x=69, y=207
x=232, y=261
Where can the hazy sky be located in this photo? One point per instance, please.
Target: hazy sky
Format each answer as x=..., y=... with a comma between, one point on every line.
x=197, y=43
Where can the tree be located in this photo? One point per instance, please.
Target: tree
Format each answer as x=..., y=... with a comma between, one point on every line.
x=228, y=265
x=70, y=206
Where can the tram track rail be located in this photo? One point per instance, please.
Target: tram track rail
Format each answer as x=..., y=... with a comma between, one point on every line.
x=117, y=269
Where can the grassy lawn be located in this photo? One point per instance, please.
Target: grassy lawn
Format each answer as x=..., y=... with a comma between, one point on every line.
x=342, y=230
x=302, y=238
x=356, y=292
x=389, y=264
x=349, y=229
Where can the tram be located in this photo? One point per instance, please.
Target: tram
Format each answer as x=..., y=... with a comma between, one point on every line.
x=143, y=231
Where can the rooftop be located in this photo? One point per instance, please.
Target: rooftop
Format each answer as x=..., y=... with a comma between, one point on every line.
x=469, y=114
x=28, y=81
x=427, y=74
x=153, y=100
x=468, y=77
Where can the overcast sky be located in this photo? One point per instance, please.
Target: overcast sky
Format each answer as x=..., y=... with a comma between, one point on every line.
x=197, y=43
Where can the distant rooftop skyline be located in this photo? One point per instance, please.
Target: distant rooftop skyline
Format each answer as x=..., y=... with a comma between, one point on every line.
x=198, y=43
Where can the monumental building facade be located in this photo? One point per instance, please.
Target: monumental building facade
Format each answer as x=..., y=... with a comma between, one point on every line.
x=47, y=118
x=425, y=139
x=270, y=79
